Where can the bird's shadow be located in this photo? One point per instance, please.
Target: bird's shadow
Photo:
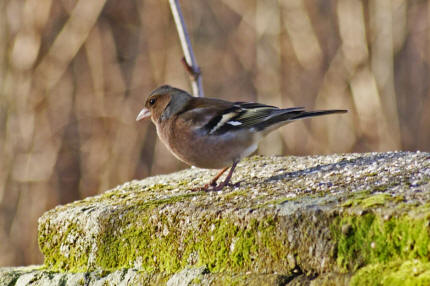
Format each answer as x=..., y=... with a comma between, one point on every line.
x=360, y=161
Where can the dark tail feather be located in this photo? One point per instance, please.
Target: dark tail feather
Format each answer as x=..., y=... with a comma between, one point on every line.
x=290, y=114
x=305, y=114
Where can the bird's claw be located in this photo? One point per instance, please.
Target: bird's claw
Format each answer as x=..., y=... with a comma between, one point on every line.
x=213, y=187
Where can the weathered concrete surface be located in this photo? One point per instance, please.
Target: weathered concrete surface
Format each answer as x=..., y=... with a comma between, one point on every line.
x=320, y=220
x=37, y=276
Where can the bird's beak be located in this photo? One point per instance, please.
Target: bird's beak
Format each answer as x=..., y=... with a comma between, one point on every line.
x=144, y=113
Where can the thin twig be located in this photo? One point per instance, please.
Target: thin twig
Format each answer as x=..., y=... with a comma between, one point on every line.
x=189, y=59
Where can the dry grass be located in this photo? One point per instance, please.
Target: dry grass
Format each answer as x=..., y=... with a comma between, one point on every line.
x=74, y=74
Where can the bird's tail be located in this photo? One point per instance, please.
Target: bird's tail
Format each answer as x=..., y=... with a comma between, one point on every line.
x=284, y=116
x=305, y=114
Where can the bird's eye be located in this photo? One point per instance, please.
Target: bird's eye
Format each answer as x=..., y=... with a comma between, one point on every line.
x=152, y=101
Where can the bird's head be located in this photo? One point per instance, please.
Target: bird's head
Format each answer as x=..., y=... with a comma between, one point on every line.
x=164, y=102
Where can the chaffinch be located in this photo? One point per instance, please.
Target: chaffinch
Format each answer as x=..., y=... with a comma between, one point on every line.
x=213, y=133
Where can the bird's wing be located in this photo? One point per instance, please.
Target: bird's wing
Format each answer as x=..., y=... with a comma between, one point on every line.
x=202, y=113
x=215, y=116
x=244, y=115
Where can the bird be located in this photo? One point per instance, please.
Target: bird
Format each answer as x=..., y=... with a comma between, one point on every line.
x=213, y=133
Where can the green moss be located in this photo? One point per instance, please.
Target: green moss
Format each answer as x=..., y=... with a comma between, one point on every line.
x=234, y=194
x=274, y=202
x=60, y=258
x=157, y=244
x=375, y=200
x=231, y=246
x=396, y=273
x=366, y=199
x=390, y=250
x=219, y=245
x=196, y=281
x=160, y=187
x=368, y=239
x=169, y=200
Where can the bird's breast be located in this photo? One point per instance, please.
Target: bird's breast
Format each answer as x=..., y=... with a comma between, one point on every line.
x=205, y=150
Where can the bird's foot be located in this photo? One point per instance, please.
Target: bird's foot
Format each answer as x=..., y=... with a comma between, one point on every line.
x=211, y=187
x=208, y=188
x=218, y=187
x=204, y=188
x=235, y=185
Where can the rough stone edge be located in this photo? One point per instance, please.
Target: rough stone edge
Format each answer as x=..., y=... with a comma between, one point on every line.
x=372, y=202
x=37, y=275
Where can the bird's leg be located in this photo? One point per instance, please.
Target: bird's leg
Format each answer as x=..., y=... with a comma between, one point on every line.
x=213, y=181
x=213, y=184
x=227, y=179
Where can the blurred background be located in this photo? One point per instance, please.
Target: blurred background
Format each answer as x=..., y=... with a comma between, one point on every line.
x=74, y=75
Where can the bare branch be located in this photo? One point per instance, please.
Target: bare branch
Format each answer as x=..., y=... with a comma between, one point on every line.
x=189, y=59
